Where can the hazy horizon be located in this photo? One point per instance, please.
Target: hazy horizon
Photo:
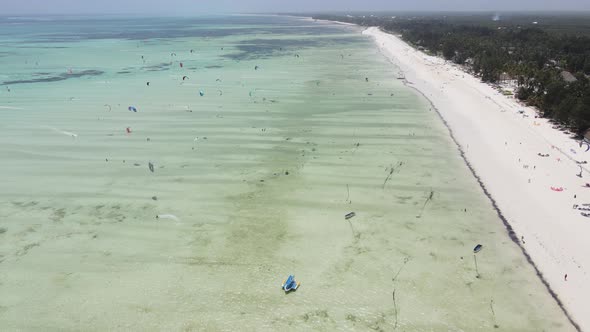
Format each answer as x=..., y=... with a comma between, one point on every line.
x=188, y=7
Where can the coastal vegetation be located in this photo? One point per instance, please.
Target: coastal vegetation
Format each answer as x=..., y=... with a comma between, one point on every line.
x=545, y=59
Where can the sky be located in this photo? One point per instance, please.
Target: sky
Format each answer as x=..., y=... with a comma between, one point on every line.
x=193, y=7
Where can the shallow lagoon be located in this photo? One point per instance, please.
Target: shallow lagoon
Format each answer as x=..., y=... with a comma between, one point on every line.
x=259, y=171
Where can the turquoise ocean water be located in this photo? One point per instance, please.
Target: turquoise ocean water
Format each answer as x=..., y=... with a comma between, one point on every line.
x=252, y=140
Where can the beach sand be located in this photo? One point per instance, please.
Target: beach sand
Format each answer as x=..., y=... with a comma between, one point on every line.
x=502, y=146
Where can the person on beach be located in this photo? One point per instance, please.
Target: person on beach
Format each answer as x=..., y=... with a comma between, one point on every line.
x=565, y=277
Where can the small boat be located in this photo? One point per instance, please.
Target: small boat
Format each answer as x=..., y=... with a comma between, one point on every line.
x=349, y=215
x=290, y=284
x=477, y=248
x=587, y=215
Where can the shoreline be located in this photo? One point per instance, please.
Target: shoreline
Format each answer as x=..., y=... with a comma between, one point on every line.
x=491, y=168
x=322, y=166
x=505, y=221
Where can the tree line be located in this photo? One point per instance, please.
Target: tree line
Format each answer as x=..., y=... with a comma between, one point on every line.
x=550, y=69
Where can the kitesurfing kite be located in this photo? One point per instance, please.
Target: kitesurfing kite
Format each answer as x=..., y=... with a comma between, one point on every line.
x=583, y=142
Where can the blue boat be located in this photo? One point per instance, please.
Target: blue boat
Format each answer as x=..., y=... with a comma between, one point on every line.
x=290, y=284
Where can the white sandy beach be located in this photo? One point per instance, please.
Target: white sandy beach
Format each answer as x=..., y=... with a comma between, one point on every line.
x=502, y=146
